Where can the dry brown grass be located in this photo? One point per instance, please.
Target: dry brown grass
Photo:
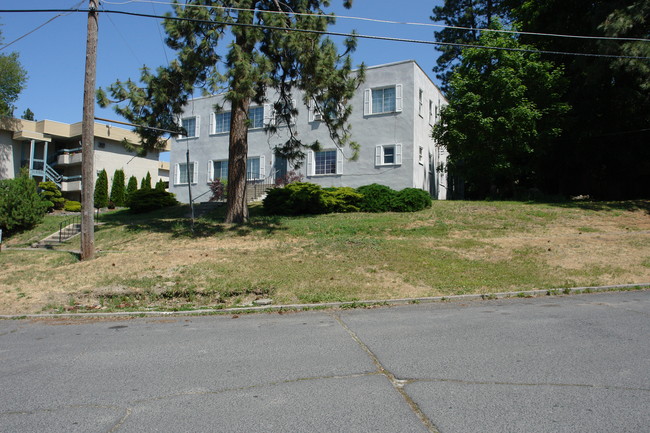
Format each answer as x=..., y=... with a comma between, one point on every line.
x=456, y=247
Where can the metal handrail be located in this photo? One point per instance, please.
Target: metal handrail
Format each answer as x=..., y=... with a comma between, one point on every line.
x=64, y=227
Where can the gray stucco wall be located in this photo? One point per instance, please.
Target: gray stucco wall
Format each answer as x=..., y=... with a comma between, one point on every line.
x=405, y=128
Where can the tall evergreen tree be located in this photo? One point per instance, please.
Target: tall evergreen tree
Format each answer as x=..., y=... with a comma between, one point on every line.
x=461, y=15
x=604, y=150
x=271, y=45
x=101, y=190
x=146, y=182
x=118, y=194
x=132, y=186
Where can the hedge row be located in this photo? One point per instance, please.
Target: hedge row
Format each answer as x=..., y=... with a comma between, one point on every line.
x=301, y=198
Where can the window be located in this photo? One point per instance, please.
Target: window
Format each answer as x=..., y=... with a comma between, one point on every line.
x=217, y=170
x=331, y=107
x=383, y=100
x=254, y=169
x=256, y=117
x=430, y=112
x=182, y=174
x=326, y=162
x=191, y=127
x=389, y=154
x=221, y=122
x=420, y=102
x=421, y=156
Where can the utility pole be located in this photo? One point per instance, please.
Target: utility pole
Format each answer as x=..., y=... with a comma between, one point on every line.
x=88, y=139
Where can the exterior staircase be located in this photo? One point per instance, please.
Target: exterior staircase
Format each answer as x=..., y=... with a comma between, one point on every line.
x=67, y=229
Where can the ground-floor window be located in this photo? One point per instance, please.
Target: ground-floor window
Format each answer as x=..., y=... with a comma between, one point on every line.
x=388, y=154
x=325, y=162
x=182, y=173
x=218, y=169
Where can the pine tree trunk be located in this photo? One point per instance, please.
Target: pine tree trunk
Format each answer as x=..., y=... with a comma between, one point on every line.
x=237, y=210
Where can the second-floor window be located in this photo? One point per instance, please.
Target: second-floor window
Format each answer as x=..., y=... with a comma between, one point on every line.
x=256, y=117
x=382, y=100
x=221, y=122
x=190, y=125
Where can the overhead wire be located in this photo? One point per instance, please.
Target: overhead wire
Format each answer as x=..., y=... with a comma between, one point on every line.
x=72, y=9
x=385, y=21
x=344, y=34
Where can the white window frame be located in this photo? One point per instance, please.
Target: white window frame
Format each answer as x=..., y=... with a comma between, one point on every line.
x=420, y=102
x=211, y=176
x=380, y=153
x=263, y=107
x=195, y=173
x=421, y=155
x=213, y=122
x=197, y=125
x=367, y=100
x=430, y=112
x=311, y=163
x=262, y=172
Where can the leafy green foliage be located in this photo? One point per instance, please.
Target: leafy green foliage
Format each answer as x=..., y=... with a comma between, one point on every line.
x=146, y=182
x=28, y=115
x=341, y=200
x=259, y=61
x=376, y=198
x=118, y=193
x=52, y=195
x=160, y=185
x=460, y=13
x=411, y=200
x=12, y=81
x=504, y=108
x=145, y=200
x=72, y=206
x=299, y=198
x=101, y=190
x=131, y=187
x=21, y=207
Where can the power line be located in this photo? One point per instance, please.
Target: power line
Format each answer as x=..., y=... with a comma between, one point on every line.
x=343, y=34
x=42, y=25
x=383, y=21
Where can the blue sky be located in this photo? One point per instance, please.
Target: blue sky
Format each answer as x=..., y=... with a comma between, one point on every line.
x=54, y=55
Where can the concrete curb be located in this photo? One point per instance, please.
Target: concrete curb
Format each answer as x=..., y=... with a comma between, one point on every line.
x=348, y=304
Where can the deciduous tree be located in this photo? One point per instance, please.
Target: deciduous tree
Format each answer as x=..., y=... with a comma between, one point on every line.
x=12, y=81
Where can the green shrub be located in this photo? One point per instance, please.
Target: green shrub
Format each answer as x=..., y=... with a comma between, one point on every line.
x=101, y=190
x=52, y=195
x=275, y=202
x=340, y=200
x=376, y=198
x=131, y=187
x=411, y=200
x=161, y=185
x=21, y=207
x=146, y=182
x=145, y=200
x=118, y=192
x=299, y=198
x=72, y=206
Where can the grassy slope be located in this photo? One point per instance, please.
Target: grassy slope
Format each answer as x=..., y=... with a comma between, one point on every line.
x=452, y=248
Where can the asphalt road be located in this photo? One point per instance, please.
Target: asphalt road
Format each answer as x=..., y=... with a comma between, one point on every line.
x=553, y=364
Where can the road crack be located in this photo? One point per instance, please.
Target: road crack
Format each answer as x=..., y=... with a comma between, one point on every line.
x=398, y=384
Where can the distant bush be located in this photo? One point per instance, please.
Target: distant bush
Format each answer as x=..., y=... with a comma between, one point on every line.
x=376, y=198
x=72, y=206
x=131, y=187
x=101, y=190
x=411, y=200
x=145, y=200
x=340, y=200
x=118, y=190
x=21, y=207
x=52, y=195
x=219, y=189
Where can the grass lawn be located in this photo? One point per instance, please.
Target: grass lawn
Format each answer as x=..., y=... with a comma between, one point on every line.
x=456, y=247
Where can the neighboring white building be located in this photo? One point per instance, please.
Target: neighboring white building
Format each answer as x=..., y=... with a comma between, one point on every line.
x=52, y=151
x=394, y=111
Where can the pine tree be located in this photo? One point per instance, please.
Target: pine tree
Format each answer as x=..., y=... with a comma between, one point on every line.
x=272, y=46
x=131, y=187
x=118, y=194
x=160, y=185
x=146, y=182
x=101, y=190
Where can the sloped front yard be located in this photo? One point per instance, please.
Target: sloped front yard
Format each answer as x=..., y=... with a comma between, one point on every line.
x=156, y=261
